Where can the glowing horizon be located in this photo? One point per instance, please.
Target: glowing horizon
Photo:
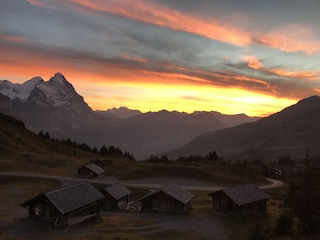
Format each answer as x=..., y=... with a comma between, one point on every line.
x=151, y=55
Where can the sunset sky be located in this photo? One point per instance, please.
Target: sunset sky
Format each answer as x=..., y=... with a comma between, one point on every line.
x=249, y=56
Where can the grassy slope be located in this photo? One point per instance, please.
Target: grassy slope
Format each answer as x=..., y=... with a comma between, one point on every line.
x=23, y=150
x=218, y=172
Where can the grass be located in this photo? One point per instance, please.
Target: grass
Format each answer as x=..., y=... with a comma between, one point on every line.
x=217, y=172
x=15, y=191
x=175, y=235
x=24, y=151
x=201, y=203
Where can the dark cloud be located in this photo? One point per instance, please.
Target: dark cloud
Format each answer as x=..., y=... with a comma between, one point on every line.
x=237, y=75
x=97, y=40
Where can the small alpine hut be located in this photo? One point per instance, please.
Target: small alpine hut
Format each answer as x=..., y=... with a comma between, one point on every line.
x=115, y=196
x=91, y=170
x=245, y=200
x=169, y=199
x=67, y=205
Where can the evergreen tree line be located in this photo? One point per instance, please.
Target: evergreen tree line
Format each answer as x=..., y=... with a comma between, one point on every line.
x=304, y=199
x=212, y=156
x=104, y=150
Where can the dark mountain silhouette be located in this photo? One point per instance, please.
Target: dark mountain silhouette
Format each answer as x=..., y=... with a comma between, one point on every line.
x=55, y=107
x=5, y=104
x=121, y=112
x=292, y=131
x=24, y=150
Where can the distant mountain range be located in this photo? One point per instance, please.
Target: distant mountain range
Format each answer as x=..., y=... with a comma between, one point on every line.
x=55, y=107
x=292, y=131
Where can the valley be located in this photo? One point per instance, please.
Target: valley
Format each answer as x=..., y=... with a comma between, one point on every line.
x=230, y=151
x=55, y=107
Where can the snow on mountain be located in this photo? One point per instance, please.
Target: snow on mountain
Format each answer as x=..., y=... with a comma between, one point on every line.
x=20, y=91
x=57, y=92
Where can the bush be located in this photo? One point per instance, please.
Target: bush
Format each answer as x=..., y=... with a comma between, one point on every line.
x=284, y=224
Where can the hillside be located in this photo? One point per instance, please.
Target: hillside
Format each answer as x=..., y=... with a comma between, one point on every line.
x=292, y=131
x=23, y=150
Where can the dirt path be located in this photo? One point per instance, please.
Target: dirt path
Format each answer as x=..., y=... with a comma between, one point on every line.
x=274, y=183
x=190, y=184
x=206, y=225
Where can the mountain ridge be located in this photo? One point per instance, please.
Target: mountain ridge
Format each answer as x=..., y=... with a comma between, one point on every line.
x=292, y=131
x=55, y=107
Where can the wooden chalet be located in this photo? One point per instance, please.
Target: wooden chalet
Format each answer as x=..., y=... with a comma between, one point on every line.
x=67, y=205
x=91, y=170
x=169, y=199
x=246, y=200
x=115, y=196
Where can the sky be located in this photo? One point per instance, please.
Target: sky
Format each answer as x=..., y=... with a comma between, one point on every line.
x=250, y=56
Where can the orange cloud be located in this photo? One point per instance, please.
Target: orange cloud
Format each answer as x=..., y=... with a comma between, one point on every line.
x=37, y=3
x=106, y=85
x=13, y=38
x=292, y=39
x=160, y=15
x=103, y=90
x=309, y=75
x=253, y=62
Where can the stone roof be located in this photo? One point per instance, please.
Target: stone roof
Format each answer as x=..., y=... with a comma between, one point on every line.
x=173, y=191
x=71, y=197
x=94, y=168
x=244, y=194
x=117, y=191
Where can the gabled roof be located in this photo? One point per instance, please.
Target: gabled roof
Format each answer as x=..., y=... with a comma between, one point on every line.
x=94, y=168
x=244, y=194
x=117, y=191
x=173, y=191
x=71, y=197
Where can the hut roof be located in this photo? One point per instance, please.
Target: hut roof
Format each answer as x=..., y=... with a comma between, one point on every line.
x=173, y=191
x=94, y=168
x=244, y=194
x=117, y=191
x=71, y=197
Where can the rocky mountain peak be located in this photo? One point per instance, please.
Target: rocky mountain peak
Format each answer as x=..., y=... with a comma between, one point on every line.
x=57, y=92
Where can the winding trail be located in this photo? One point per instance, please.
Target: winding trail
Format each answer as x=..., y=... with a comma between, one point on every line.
x=189, y=184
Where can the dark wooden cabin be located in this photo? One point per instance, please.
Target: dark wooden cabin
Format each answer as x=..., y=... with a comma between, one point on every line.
x=246, y=200
x=67, y=205
x=91, y=170
x=169, y=199
x=115, y=196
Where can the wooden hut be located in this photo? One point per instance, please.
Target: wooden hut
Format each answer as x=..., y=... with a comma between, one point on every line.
x=115, y=196
x=169, y=199
x=246, y=200
x=67, y=205
x=91, y=170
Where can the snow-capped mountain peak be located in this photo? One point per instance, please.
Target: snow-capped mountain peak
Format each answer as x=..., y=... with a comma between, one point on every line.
x=58, y=92
x=59, y=79
x=17, y=90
